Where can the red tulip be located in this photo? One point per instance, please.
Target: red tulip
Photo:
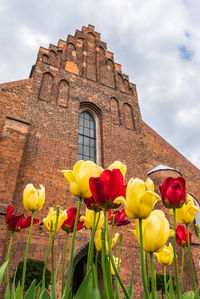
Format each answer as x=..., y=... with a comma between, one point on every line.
x=17, y=222
x=107, y=187
x=181, y=236
x=173, y=192
x=119, y=218
x=68, y=224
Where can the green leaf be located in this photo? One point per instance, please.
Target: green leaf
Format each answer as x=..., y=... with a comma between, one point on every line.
x=13, y=285
x=171, y=288
x=130, y=289
x=54, y=282
x=45, y=295
x=197, y=293
x=188, y=295
x=104, y=295
x=155, y=296
x=18, y=291
x=2, y=270
x=85, y=288
x=30, y=294
x=7, y=293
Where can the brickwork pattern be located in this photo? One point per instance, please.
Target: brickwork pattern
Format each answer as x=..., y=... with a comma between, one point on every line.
x=39, y=137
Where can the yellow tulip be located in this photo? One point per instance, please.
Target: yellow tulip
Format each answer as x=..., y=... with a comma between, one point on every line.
x=116, y=263
x=98, y=242
x=166, y=255
x=89, y=218
x=140, y=198
x=33, y=198
x=51, y=218
x=119, y=165
x=155, y=230
x=187, y=212
x=78, y=178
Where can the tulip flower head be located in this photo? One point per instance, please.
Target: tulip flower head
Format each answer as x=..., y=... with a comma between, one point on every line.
x=33, y=198
x=181, y=236
x=78, y=178
x=119, y=218
x=166, y=255
x=116, y=263
x=173, y=192
x=107, y=188
x=140, y=198
x=51, y=219
x=155, y=230
x=98, y=242
x=89, y=217
x=187, y=212
x=15, y=223
x=68, y=224
x=118, y=165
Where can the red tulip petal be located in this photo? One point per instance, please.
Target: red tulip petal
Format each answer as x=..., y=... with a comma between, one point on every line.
x=10, y=210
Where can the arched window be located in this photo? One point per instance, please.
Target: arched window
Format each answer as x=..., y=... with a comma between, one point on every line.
x=87, y=137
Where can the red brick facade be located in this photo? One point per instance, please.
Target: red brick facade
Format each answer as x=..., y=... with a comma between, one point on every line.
x=39, y=128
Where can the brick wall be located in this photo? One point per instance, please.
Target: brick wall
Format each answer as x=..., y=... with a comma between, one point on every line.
x=39, y=137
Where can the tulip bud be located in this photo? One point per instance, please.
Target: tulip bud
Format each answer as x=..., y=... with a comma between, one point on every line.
x=33, y=198
x=173, y=192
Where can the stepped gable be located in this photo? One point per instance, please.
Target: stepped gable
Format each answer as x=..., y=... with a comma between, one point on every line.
x=84, y=54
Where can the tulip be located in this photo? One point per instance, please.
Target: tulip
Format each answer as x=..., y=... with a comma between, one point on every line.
x=181, y=236
x=78, y=178
x=187, y=212
x=107, y=188
x=173, y=192
x=140, y=198
x=89, y=217
x=118, y=165
x=68, y=224
x=15, y=223
x=155, y=230
x=33, y=198
x=166, y=255
x=51, y=219
x=98, y=242
x=116, y=264
x=119, y=218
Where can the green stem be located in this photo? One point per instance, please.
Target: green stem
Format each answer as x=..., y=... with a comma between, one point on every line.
x=63, y=267
x=190, y=258
x=7, y=257
x=26, y=255
x=182, y=267
x=72, y=248
x=142, y=260
x=113, y=262
x=175, y=261
x=52, y=245
x=103, y=257
x=46, y=260
x=165, y=281
x=96, y=269
x=91, y=245
x=146, y=270
x=119, y=256
x=152, y=276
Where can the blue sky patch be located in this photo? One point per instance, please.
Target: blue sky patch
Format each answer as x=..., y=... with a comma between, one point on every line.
x=185, y=53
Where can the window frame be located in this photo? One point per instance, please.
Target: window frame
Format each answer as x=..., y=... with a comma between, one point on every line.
x=95, y=118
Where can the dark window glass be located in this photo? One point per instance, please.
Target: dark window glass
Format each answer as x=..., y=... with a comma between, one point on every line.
x=87, y=137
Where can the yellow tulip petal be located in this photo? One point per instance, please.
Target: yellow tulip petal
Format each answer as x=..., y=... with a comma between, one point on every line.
x=147, y=202
x=149, y=185
x=77, y=166
x=121, y=200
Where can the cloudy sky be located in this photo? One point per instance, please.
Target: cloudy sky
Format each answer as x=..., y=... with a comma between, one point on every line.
x=157, y=42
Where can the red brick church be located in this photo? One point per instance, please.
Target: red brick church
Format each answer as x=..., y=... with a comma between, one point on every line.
x=77, y=104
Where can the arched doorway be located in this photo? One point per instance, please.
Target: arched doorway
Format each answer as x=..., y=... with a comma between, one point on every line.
x=80, y=268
